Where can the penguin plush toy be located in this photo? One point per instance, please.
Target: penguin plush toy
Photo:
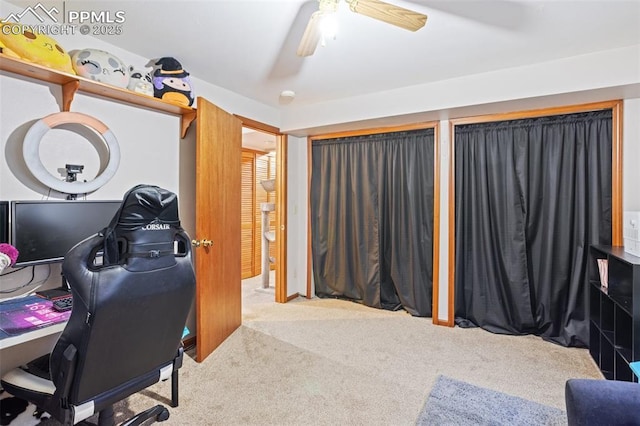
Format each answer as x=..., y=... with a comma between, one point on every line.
x=171, y=82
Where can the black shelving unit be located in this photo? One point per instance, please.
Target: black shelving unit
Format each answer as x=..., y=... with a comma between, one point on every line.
x=614, y=332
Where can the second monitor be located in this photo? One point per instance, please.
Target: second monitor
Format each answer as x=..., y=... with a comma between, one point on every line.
x=43, y=231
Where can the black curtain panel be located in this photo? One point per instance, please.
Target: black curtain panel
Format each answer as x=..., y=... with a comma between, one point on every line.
x=531, y=196
x=372, y=219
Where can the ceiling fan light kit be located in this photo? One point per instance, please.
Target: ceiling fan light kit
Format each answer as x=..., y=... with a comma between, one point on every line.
x=329, y=26
x=376, y=9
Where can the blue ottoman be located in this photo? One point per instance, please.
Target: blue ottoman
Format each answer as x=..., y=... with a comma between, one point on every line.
x=602, y=402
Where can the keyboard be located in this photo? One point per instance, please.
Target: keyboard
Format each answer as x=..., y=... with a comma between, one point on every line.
x=63, y=304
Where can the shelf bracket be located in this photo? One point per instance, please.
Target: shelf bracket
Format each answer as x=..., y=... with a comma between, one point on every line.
x=68, y=92
x=187, y=119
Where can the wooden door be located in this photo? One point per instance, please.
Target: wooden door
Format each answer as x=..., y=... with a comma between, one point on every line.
x=218, y=290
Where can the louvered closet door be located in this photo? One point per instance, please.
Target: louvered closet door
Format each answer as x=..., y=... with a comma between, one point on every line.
x=248, y=229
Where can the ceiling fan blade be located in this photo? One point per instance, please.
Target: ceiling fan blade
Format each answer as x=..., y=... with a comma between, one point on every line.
x=311, y=35
x=395, y=15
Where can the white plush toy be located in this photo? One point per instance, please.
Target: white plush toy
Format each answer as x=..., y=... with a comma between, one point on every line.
x=100, y=66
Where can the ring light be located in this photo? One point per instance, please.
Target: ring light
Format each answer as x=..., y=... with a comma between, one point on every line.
x=31, y=152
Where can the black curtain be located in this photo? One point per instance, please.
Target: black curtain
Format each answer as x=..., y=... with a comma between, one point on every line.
x=372, y=219
x=531, y=196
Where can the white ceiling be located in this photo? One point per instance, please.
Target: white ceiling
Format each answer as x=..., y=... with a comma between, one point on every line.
x=248, y=46
x=258, y=141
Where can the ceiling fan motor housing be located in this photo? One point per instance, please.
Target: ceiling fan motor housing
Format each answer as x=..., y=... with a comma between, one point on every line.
x=328, y=6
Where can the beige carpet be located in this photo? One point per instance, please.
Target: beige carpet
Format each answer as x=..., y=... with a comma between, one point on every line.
x=328, y=362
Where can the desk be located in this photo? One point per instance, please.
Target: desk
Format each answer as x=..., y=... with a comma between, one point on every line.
x=10, y=341
x=28, y=314
x=18, y=347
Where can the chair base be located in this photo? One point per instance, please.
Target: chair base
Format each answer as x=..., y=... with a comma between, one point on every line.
x=158, y=413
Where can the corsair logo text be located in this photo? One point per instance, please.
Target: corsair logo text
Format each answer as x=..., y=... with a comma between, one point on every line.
x=156, y=227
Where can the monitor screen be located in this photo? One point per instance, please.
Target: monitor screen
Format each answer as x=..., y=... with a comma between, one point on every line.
x=43, y=231
x=4, y=221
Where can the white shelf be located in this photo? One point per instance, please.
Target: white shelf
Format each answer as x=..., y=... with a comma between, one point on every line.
x=71, y=84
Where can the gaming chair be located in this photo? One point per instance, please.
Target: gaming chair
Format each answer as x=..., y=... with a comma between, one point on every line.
x=133, y=285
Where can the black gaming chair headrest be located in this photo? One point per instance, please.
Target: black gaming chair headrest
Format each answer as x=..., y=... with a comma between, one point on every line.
x=145, y=226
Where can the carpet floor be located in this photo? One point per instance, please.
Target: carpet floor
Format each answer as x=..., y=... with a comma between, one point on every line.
x=327, y=362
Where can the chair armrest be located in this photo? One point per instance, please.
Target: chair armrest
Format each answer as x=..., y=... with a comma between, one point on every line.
x=65, y=373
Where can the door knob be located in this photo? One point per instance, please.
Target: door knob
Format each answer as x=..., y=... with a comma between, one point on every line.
x=203, y=243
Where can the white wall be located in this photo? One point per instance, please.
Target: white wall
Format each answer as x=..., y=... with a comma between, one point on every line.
x=149, y=145
x=605, y=75
x=225, y=99
x=151, y=152
x=297, y=216
x=631, y=153
x=601, y=76
x=151, y=148
x=445, y=193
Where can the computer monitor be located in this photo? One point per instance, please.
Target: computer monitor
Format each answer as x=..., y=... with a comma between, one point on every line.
x=4, y=221
x=43, y=231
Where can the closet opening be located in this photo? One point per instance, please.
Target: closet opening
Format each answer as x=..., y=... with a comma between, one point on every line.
x=263, y=208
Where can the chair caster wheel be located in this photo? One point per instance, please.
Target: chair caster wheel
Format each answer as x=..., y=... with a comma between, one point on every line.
x=163, y=415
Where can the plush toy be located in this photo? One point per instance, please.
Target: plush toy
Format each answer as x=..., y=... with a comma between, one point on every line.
x=8, y=256
x=18, y=41
x=140, y=81
x=100, y=66
x=8, y=52
x=171, y=83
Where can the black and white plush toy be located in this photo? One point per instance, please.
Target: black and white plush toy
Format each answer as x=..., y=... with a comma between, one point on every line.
x=171, y=82
x=140, y=81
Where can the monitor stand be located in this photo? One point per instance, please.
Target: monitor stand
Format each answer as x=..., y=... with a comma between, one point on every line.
x=65, y=284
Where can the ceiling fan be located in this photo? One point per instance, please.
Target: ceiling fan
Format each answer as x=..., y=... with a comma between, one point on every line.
x=376, y=9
